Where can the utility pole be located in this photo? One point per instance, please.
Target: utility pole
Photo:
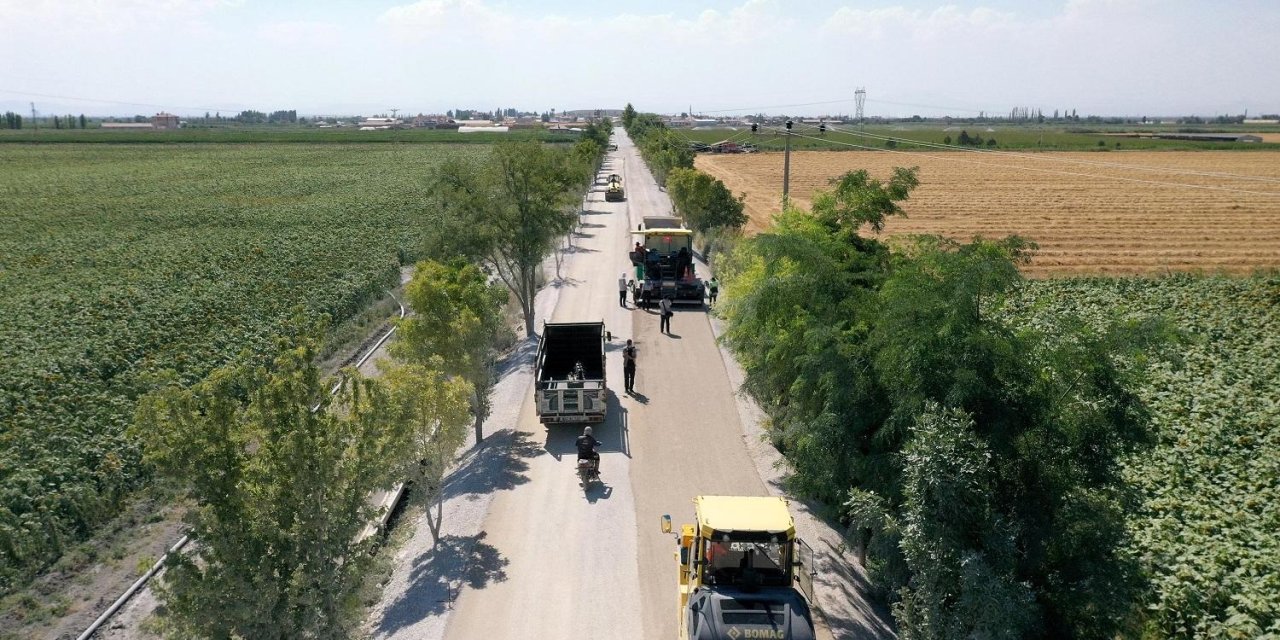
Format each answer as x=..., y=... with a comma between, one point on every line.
x=786, y=167
x=34, y=123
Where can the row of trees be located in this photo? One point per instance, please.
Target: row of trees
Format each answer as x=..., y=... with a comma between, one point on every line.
x=14, y=121
x=250, y=116
x=967, y=140
x=496, y=114
x=69, y=122
x=280, y=471
x=976, y=461
x=705, y=203
x=662, y=149
x=508, y=211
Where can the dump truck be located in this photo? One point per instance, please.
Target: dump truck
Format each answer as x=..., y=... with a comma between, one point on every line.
x=664, y=261
x=613, y=192
x=569, y=386
x=742, y=572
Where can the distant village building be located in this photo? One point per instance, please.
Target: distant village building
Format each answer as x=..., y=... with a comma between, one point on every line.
x=164, y=120
x=128, y=125
x=373, y=124
x=433, y=121
x=588, y=114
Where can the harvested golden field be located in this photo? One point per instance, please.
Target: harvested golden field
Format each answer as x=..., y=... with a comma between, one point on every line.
x=1073, y=205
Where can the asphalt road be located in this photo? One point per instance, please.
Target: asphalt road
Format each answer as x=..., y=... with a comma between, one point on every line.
x=594, y=564
x=527, y=553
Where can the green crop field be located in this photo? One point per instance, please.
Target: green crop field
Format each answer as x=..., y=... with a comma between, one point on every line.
x=1207, y=531
x=123, y=266
x=258, y=134
x=1007, y=137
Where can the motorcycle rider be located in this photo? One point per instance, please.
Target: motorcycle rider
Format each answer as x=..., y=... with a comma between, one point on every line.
x=587, y=444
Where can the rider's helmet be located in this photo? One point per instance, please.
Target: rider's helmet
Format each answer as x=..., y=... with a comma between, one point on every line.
x=586, y=431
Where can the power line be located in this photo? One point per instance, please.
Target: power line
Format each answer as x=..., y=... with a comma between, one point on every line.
x=932, y=106
x=853, y=100
x=778, y=106
x=1049, y=171
x=120, y=102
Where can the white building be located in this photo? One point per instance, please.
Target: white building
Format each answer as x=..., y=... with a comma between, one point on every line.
x=379, y=123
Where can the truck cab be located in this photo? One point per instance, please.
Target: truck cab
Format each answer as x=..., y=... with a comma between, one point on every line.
x=742, y=572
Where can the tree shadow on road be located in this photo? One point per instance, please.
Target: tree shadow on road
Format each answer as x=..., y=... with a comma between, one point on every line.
x=560, y=283
x=438, y=577
x=499, y=464
x=521, y=355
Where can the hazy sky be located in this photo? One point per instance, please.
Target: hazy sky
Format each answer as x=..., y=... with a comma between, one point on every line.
x=1106, y=57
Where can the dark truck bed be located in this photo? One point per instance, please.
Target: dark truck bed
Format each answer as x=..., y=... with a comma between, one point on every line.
x=560, y=394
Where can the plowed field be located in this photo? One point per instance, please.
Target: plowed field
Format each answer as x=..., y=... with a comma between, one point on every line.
x=1090, y=213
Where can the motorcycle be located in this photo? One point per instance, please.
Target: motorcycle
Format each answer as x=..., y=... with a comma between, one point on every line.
x=588, y=471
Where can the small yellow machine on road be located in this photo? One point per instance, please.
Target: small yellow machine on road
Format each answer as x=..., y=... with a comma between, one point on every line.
x=613, y=192
x=743, y=573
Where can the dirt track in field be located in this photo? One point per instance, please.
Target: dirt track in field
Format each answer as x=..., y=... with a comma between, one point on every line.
x=1090, y=213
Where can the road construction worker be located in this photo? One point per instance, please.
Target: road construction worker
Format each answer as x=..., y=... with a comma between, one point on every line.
x=664, y=315
x=629, y=367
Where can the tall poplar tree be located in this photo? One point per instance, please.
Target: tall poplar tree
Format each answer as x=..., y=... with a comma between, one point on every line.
x=280, y=472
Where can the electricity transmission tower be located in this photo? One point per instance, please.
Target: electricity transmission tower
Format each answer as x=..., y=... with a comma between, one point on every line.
x=860, y=99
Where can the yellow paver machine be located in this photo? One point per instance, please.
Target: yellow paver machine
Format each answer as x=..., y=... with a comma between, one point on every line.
x=743, y=573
